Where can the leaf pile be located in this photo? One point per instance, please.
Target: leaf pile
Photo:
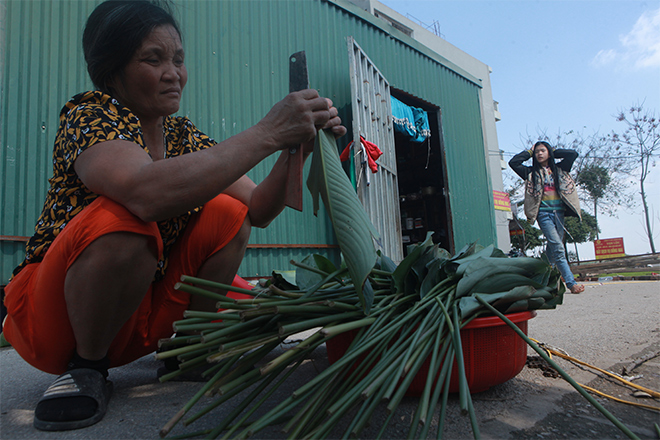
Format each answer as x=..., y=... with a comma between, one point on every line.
x=418, y=308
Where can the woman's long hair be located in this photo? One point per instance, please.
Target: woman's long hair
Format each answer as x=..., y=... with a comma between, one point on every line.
x=536, y=167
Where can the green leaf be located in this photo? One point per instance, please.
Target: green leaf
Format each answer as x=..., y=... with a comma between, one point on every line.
x=558, y=293
x=285, y=279
x=433, y=277
x=545, y=293
x=475, y=250
x=483, y=269
x=529, y=265
x=415, y=252
x=469, y=304
x=324, y=264
x=476, y=270
x=525, y=304
x=306, y=279
x=501, y=282
x=368, y=295
x=428, y=254
x=385, y=263
x=350, y=222
x=464, y=253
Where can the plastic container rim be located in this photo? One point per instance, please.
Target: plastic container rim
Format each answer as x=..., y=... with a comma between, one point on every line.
x=494, y=321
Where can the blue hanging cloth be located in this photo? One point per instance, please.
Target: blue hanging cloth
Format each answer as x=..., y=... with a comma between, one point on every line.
x=421, y=124
x=404, y=120
x=411, y=121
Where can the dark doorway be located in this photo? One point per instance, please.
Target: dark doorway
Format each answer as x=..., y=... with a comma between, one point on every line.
x=422, y=181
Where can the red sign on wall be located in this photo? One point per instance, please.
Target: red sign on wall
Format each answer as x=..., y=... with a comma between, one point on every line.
x=501, y=200
x=609, y=248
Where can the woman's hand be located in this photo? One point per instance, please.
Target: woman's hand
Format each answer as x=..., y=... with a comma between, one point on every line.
x=293, y=121
x=333, y=124
x=296, y=119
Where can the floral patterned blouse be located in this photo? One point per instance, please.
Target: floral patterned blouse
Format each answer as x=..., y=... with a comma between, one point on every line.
x=87, y=119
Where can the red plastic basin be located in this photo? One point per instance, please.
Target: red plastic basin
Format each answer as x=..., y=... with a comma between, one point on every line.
x=240, y=282
x=492, y=351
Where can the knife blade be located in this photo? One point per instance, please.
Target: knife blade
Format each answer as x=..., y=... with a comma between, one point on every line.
x=298, y=80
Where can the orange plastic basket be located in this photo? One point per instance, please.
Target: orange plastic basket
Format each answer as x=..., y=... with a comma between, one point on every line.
x=492, y=351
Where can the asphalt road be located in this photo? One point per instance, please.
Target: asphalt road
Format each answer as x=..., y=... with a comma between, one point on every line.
x=609, y=326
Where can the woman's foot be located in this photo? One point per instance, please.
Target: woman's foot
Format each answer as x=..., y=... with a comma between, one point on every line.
x=577, y=288
x=78, y=398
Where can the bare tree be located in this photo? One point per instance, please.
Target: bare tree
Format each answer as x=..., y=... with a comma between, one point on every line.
x=640, y=141
x=601, y=173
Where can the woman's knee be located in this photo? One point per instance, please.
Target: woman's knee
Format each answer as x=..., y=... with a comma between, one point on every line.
x=222, y=222
x=106, y=218
x=125, y=248
x=128, y=253
x=550, y=232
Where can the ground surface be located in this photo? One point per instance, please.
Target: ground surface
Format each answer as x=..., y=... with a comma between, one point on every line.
x=609, y=326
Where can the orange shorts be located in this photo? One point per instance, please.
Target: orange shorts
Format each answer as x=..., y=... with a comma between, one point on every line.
x=37, y=323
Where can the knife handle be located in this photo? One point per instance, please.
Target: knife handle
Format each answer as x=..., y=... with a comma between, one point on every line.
x=294, y=194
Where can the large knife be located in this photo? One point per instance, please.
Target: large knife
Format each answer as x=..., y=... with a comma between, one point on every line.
x=298, y=80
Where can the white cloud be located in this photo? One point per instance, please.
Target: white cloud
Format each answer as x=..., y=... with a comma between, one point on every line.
x=605, y=57
x=639, y=48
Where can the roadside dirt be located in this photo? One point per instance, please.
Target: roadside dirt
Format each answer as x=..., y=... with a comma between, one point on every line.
x=532, y=406
x=578, y=419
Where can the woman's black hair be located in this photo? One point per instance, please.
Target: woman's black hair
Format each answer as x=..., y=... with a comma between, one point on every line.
x=115, y=30
x=536, y=167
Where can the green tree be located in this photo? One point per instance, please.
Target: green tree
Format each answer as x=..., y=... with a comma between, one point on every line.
x=595, y=179
x=530, y=239
x=641, y=143
x=581, y=231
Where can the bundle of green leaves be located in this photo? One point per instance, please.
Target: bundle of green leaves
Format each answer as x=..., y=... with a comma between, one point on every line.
x=418, y=308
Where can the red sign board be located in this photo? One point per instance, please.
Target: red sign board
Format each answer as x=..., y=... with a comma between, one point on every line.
x=502, y=201
x=609, y=248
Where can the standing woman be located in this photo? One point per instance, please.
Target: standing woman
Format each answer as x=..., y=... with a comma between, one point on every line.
x=137, y=199
x=550, y=194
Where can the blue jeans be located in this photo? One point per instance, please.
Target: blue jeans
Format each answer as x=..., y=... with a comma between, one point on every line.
x=552, y=226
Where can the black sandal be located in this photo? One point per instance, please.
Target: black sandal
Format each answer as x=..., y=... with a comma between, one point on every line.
x=78, y=398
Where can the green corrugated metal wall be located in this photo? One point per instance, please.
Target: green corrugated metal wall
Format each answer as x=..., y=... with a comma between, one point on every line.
x=237, y=58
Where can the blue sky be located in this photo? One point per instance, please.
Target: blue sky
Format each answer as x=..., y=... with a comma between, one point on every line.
x=561, y=65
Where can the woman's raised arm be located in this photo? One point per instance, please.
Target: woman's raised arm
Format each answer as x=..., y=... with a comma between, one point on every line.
x=156, y=190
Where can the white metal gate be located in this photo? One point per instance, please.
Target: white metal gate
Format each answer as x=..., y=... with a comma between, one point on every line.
x=372, y=118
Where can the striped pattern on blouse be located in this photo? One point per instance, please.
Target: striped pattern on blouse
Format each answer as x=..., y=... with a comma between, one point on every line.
x=550, y=200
